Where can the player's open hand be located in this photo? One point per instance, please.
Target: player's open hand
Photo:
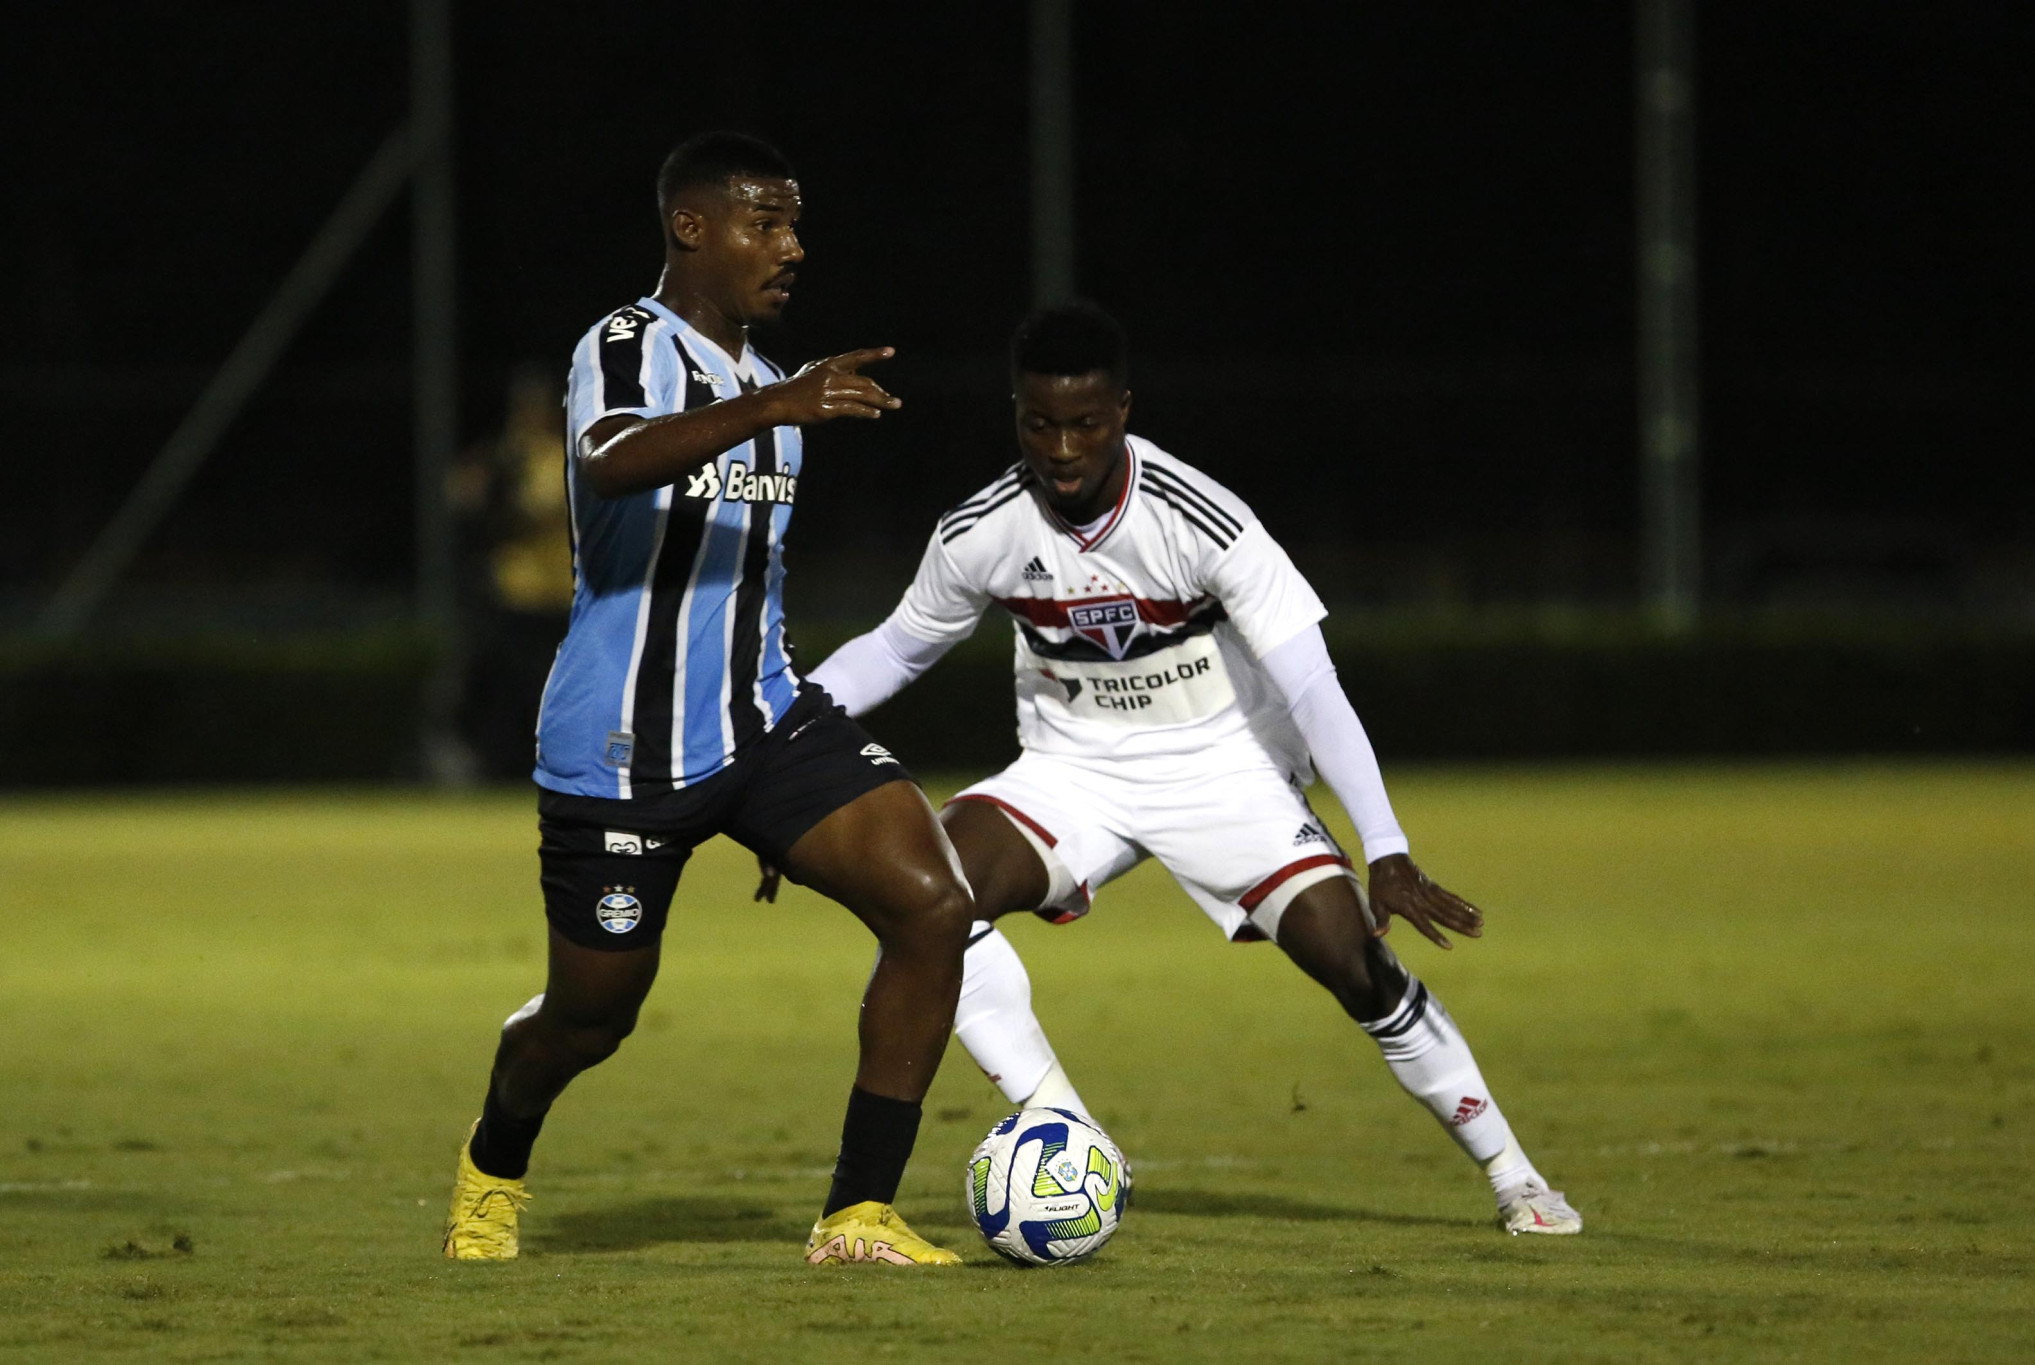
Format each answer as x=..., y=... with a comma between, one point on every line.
x=768, y=880
x=830, y=388
x=1398, y=887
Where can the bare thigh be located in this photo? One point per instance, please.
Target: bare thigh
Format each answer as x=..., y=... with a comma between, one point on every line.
x=1325, y=933
x=1002, y=867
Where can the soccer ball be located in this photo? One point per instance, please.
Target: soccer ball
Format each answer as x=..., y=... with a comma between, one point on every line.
x=1047, y=1187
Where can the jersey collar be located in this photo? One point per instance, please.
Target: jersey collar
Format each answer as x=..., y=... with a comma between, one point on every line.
x=1082, y=543
x=691, y=333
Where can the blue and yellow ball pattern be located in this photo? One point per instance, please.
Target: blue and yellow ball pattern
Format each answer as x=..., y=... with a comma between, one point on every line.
x=1047, y=1187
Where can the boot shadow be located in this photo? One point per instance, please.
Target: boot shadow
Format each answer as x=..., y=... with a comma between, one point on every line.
x=1208, y=1204
x=650, y=1222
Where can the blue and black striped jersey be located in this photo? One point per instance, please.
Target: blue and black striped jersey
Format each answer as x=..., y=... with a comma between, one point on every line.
x=675, y=658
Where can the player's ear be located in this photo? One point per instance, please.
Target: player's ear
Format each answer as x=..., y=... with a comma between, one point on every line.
x=1123, y=405
x=686, y=228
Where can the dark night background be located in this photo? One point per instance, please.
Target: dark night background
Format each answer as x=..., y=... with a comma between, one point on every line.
x=1376, y=260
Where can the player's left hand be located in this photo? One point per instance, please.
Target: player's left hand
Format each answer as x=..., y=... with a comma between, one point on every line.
x=769, y=879
x=1399, y=887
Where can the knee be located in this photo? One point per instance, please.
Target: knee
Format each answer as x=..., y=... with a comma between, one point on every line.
x=588, y=1041
x=933, y=913
x=1367, y=984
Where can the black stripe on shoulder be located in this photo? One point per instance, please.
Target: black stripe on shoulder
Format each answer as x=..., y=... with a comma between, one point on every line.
x=1193, y=514
x=621, y=352
x=1001, y=485
x=1196, y=496
x=961, y=525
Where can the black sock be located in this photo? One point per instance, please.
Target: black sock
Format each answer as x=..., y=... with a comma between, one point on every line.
x=876, y=1141
x=501, y=1145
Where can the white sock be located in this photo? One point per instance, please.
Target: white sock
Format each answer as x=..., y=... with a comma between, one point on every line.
x=995, y=1023
x=1056, y=1092
x=1426, y=1052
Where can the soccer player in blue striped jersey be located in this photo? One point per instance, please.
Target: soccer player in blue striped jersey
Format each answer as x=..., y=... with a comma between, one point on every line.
x=673, y=713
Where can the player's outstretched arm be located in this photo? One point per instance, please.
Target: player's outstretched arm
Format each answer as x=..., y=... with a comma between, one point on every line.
x=872, y=668
x=623, y=455
x=1342, y=752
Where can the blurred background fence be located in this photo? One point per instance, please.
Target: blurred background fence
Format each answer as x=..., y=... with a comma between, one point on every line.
x=1381, y=268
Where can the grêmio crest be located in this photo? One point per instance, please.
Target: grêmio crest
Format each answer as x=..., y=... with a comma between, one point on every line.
x=1108, y=621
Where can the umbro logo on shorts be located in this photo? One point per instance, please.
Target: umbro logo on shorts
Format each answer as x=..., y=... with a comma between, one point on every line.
x=1037, y=572
x=876, y=753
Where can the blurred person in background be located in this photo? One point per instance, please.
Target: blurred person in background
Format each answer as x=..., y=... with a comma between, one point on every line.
x=518, y=544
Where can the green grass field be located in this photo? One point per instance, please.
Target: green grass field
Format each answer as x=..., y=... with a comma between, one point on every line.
x=1770, y=1028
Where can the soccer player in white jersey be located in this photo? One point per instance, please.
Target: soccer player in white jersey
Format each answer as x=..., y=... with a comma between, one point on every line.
x=1174, y=697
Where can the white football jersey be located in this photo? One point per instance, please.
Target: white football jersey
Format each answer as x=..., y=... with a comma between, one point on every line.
x=1140, y=637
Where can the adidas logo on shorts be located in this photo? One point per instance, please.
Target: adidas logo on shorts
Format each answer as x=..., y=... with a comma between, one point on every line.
x=1309, y=835
x=1037, y=572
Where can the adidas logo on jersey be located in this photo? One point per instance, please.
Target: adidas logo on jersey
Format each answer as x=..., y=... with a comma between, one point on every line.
x=741, y=485
x=1037, y=572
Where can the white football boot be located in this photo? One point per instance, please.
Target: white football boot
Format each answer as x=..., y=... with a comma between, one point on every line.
x=1533, y=1207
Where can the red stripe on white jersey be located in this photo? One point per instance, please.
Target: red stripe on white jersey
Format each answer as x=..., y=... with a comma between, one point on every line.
x=1048, y=611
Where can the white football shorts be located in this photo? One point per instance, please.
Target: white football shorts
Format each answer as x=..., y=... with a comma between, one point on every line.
x=1237, y=835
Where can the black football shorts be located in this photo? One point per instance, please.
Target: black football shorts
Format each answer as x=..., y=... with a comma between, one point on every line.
x=610, y=867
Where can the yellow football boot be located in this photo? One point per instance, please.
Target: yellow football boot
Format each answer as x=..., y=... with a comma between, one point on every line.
x=870, y=1233
x=482, y=1223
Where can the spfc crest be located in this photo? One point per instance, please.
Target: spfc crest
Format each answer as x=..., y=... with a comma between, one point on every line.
x=1108, y=621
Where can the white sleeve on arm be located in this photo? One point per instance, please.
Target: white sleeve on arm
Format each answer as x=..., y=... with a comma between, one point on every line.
x=871, y=669
x=1342, y=751
x=939, y=610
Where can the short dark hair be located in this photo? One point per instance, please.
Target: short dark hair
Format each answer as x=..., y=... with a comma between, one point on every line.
x=715, y=159
x=1071, y=338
